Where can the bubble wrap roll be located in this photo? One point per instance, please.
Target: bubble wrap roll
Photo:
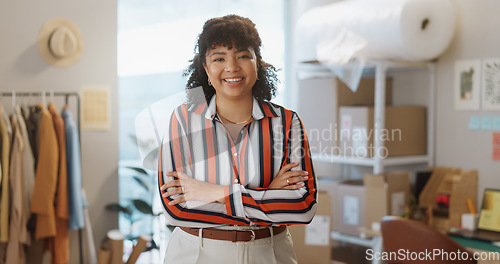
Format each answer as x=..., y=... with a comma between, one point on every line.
x=403, y=30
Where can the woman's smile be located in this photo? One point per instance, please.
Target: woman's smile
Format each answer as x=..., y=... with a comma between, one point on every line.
x=233, y=80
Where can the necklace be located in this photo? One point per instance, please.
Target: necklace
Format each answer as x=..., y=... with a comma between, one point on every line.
x=236, y=123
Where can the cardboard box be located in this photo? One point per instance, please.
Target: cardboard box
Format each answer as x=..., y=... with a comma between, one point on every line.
x=386, y=194
x=312, y=243
x=329, y=185
x=349, y=207
x=325, y=96
x=404, y=132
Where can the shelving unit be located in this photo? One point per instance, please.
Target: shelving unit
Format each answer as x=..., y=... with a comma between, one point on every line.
x=392, y=161
x=379, y=69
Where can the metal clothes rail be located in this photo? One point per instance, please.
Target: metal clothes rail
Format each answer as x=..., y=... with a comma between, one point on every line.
x=44, y=94
x=50, y=94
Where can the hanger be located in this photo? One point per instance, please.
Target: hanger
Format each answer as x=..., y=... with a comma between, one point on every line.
x=52, y=95
x=14, y=101
x=66, y=100
x=44, y=99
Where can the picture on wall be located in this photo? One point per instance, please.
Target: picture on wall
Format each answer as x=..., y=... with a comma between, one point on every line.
x=467, y=80
x=491, y=84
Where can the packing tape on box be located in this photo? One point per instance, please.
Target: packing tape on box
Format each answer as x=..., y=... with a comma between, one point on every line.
x=348, y=33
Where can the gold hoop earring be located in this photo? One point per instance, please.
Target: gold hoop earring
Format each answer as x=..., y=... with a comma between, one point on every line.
x=209, y=82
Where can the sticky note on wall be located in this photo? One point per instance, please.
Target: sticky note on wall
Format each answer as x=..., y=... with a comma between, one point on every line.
x=486, y=123
x=496, y=146
x=474, y=123
x=496, y=139
x=496, y=123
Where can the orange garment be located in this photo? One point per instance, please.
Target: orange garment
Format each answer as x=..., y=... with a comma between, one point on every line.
x=18, y=233
x=42, y=202
x=4, y=209
x=59, y=245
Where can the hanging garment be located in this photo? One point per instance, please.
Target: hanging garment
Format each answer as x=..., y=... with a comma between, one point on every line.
x=18, y=234
x=89, y=252
x=34, y=253
x=28, y=168
x=4, y=209
x=74, y=167
x=33, y=117
x=7, y=123
x=42, y=202
x=32, y=121
x=59, y=245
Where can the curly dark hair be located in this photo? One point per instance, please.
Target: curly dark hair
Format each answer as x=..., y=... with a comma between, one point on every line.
x=228, y=31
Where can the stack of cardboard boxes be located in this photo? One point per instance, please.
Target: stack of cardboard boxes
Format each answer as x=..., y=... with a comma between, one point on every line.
x=340, y=122
x=320, y=102
x=350, y=206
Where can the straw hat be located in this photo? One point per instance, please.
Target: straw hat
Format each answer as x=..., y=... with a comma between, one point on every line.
x=60, y=42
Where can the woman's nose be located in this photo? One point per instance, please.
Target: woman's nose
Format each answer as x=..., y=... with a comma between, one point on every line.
x=232, y=65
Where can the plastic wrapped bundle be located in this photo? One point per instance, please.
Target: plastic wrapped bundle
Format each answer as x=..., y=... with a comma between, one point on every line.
x=353, y=31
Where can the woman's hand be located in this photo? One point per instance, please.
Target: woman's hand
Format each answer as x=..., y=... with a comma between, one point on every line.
x=287, y=179
x=192, y=189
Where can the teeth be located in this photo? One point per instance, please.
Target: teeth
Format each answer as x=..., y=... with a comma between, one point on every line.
x=233, y=80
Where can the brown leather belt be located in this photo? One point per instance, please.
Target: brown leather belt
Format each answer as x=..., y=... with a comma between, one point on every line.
x=235, y=235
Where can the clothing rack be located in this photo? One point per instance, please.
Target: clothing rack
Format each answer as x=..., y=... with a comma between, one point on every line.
x=44, y=94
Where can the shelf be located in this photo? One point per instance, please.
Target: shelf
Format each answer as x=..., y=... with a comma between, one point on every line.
x=392, y=161
x=365, y=242
x=379, y=69
x=315, y=69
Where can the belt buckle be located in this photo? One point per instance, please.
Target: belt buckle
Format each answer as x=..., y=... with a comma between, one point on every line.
x=251, y=239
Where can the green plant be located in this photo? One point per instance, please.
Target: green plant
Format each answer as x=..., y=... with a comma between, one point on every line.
x=137, y=205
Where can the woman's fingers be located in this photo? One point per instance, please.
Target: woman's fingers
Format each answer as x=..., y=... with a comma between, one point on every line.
x=289, y=174
x=288, y=167
x=294, y=186
x=177, y=200
x=170, y=184
x=172, y=173
x=173, y=191
x=177, y=174
x=296, y=179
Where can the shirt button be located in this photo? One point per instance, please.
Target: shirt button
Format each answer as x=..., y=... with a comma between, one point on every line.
x=235, y=180
x=242, y=132
x=235, y=154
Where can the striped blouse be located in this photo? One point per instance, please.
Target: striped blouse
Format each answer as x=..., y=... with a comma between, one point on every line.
x=198, y=144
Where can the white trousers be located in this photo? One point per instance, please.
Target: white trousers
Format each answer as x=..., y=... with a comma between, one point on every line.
x=184, y=248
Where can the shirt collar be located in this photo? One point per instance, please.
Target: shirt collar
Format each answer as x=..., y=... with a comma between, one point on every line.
x=259, y=110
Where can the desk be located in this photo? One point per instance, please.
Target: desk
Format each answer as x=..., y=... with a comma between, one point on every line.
x=479, y=246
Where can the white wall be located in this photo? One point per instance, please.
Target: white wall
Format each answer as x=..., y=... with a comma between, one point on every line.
x=476, y=37
x=22, y=69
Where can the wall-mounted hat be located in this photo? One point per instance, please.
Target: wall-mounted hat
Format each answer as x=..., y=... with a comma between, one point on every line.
x=60, y=42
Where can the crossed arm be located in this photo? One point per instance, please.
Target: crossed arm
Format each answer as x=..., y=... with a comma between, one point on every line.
x=290, y=197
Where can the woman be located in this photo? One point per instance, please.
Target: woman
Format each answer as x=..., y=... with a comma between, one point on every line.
x=234, y=169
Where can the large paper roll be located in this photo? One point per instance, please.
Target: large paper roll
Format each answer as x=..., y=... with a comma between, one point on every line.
x=401, y=30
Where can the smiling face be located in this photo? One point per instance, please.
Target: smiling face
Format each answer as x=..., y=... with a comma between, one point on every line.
x=232, y=72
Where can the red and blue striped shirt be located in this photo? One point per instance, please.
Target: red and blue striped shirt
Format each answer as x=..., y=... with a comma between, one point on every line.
x=198, y=144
